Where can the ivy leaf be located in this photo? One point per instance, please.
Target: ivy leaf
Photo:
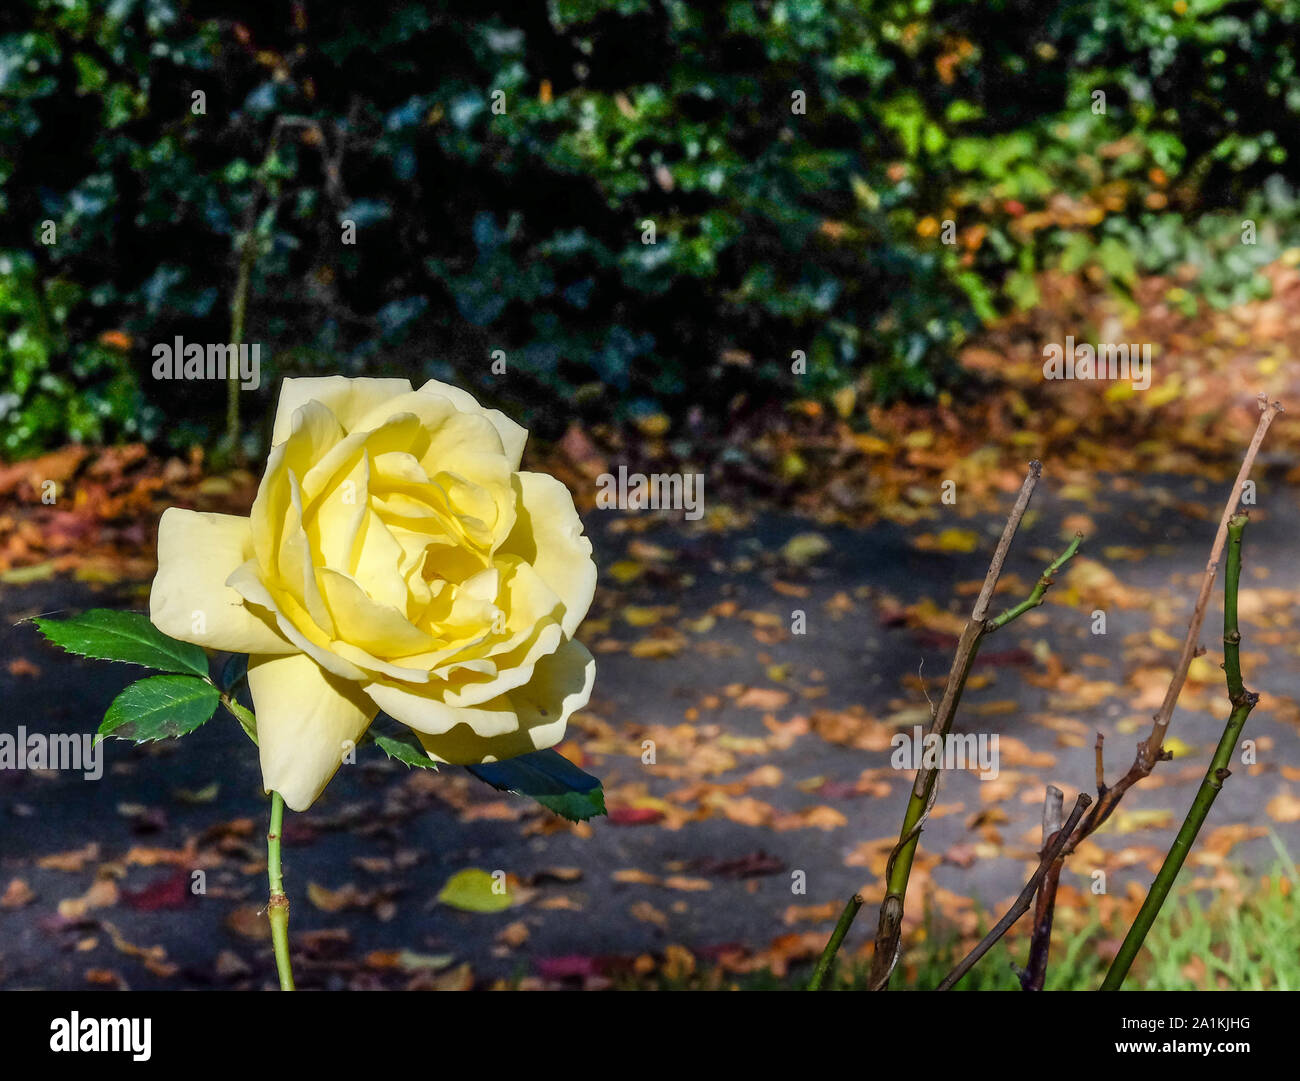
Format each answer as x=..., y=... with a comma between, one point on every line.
x=160, y=707
x=124, y=636
x=549, y=778
x=406, y=748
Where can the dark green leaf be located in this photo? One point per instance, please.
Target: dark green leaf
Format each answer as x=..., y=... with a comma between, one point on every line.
x=576, y=806
x=234, y=672
x=549, y=778
x=124, y=636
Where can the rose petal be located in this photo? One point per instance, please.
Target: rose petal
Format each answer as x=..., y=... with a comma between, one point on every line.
x=294, y=622
x=348, y=399
x=527, y=719
x=196, y=553
x=378, y=628
x=548, y=534
x=307, y=720
x=513, y=437
x=315, y=431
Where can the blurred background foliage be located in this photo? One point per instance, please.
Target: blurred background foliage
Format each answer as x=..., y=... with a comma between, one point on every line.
x=798, y=161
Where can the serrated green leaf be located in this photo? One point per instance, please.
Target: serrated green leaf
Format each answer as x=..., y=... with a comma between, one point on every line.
x=244, y=716
x=471, y=890
x=406, y=749
x=160, y=707
x=124, y=636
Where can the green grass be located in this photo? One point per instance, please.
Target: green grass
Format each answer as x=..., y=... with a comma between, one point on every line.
x=1229, y=942
x=1243, y=939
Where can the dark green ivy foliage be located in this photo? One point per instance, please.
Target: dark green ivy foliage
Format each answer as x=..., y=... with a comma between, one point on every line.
x=794, y=157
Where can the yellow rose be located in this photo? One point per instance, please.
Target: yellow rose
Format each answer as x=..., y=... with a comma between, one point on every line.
x=396, y=559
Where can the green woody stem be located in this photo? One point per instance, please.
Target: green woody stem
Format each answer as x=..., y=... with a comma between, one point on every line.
x=1243, y=701
x=1040, y=589
x=827, y=958
x=277, y=909
x=899, y=869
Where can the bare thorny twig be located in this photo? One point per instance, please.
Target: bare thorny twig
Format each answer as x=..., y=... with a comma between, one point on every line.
x=1051, y=852
x=1149, y=752
x=925, y=789
x=1064, y=840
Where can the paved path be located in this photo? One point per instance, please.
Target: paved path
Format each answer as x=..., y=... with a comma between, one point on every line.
x=771, y=758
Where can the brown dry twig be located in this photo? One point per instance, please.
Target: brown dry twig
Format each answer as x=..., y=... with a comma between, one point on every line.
x=1033, y=976
x=1152, y=749
x=1050, y=853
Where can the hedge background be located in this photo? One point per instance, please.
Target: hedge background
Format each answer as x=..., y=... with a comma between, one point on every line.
x=798, y=160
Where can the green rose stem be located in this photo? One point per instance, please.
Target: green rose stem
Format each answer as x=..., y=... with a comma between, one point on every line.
x=832, y=947
x=277, y=909
x=1243, y=701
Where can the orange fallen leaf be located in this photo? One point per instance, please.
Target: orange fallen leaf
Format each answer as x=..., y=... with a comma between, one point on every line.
x=17, y=894
x=1284, y=807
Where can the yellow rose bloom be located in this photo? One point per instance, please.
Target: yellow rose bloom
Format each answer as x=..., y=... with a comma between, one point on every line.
x=396, y=558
